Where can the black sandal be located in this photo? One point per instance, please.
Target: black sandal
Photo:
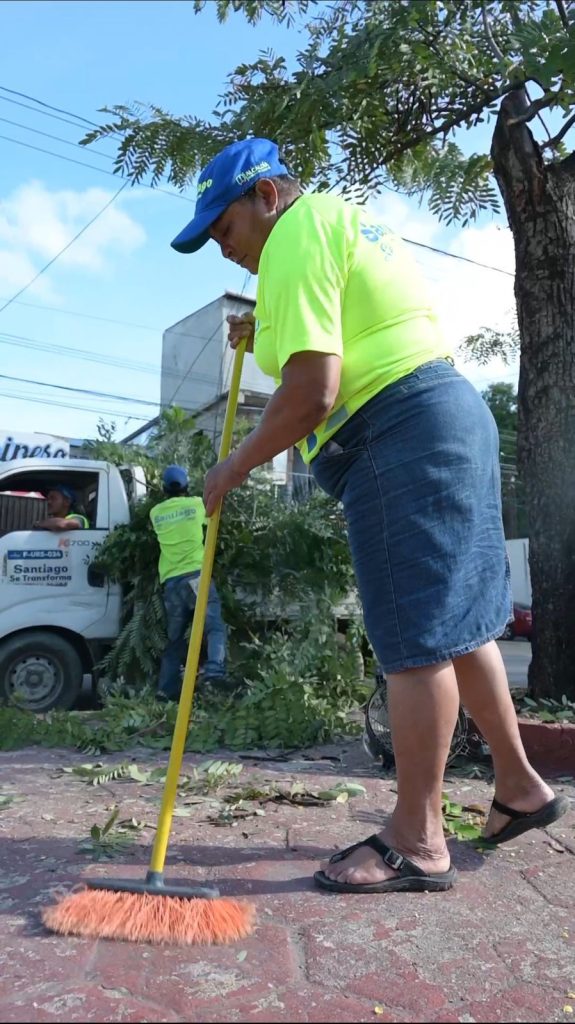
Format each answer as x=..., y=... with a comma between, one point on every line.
x=523, y=821
x=410, y=878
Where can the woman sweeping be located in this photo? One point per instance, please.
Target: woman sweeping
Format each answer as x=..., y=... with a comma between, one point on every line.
x=368, y=391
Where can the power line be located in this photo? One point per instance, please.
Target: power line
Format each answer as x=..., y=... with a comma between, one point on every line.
x=68, y=159
x=80, y=391
x=68, y=405
x=55, y=138
x=93, y=167
x=90, y=316
x=27, y=106
x=49, y=106
x=455, y=256
x=87, y=355
x=65, y=248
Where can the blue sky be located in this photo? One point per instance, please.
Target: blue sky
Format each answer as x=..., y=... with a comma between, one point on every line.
x=81, y=56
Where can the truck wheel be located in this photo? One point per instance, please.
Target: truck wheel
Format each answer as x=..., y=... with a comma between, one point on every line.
x=39, y=671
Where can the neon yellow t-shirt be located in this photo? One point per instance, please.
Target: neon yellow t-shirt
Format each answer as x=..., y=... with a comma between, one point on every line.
x=333, y=279
x=178, y=524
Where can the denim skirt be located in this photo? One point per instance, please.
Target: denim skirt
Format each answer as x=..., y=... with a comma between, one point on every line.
x=417, y=472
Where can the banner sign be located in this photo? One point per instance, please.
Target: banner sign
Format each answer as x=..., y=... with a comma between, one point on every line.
x=32, y=446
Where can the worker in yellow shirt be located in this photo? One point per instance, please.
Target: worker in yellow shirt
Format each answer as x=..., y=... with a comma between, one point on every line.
x=179, y=522
x=367, y=389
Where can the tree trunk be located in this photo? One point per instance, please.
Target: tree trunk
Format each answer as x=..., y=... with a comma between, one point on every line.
x=540, y=203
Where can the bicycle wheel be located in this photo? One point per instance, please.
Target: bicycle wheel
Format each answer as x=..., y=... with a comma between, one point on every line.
x=377, y=734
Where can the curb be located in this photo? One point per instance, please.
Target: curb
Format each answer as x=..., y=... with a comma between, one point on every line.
x=549, y=745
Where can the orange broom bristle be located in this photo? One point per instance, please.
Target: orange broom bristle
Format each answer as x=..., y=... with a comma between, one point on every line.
x=136, y=917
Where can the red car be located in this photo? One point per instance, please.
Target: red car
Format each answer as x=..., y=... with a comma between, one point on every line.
x=520, y=624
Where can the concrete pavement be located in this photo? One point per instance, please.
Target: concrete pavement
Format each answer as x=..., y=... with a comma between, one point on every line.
x=499, y=947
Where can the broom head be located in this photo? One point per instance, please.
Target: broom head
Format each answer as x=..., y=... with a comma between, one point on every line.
x=148, y=915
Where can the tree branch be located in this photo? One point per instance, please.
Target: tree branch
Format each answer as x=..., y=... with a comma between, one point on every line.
x=431, y=43
x=446, y=126
x=539, y=118
x=552, y=143
x=533, y=109
x=562, y=14
x=517, y=161
x=489, y=34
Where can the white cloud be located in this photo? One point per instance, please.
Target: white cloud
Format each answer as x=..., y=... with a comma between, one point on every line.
x=470, y=297
x=35, y=223
x=16, y=268
x=489, y=300
x=406, y=218
x=467, y=297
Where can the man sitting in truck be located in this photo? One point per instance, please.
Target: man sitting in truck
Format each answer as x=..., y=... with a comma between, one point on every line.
x=179, y=522
x=62, y=512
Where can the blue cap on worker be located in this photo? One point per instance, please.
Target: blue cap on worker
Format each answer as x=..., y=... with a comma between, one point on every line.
x=228, y=177
x=175, y=478
x=68, y=492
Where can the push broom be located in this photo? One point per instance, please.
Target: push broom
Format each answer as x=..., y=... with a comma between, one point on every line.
x=153, y=910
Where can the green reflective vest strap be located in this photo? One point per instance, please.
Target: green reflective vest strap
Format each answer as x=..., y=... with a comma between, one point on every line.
x=83, y=520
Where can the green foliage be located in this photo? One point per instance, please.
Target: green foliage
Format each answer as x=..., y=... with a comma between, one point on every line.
x=98, y=774
x=175, y=440
x=302, y=691
x=210, y=777
x=271, y=554
x=128, y=719
x=547, y=710
x=459, y=821
x=490, y=344
x=374, y=97
x=303, y=687
x=112, y=839
x=254, y=10
x=239, y=803
x=280, y=570
x=501, y=398
x=205, y=779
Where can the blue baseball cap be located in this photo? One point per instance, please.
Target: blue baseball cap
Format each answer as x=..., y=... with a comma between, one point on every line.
x=226, y=178
x=67, y=492
x=175, y=477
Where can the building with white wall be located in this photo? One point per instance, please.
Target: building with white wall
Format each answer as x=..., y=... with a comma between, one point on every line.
x=196, y=373
x=197, y=360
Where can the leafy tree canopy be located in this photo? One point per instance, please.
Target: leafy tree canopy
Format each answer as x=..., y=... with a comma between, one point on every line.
x=377, y=92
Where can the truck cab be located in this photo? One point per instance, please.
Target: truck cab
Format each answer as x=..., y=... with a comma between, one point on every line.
x=57, y=613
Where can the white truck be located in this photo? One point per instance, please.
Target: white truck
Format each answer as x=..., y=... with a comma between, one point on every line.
x=57, y=614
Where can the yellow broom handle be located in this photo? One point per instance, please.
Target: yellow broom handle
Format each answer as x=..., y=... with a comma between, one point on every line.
x=192, y=661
